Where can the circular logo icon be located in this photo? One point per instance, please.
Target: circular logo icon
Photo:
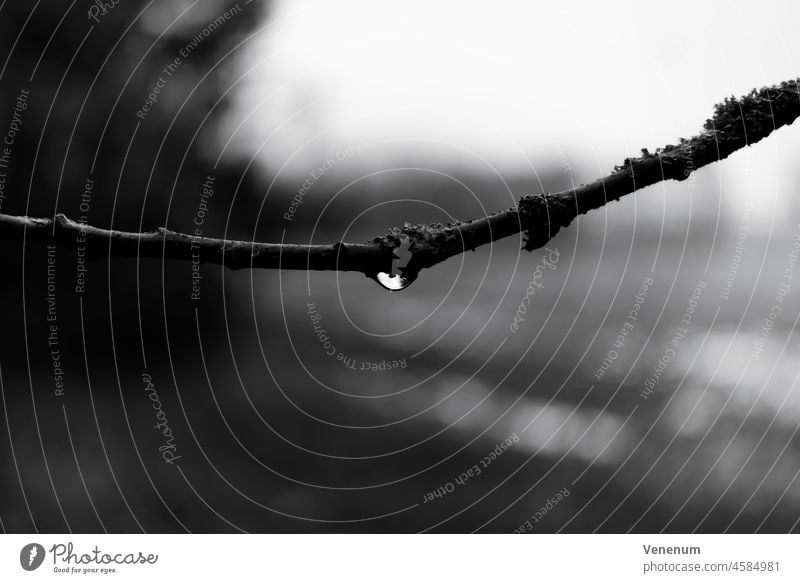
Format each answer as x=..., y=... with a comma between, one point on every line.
x=31, y=556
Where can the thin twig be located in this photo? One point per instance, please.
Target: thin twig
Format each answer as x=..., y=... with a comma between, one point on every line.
x=736, y=123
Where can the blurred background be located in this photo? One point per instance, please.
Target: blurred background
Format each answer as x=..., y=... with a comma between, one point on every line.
x=648, y=383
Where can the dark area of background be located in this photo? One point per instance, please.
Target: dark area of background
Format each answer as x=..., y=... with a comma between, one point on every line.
x=276, y=436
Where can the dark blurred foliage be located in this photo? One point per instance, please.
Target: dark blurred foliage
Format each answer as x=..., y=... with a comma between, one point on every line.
x=87, y=80
x=265, y=447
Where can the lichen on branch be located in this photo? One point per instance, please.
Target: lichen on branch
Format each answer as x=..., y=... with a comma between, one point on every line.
x=736, y=123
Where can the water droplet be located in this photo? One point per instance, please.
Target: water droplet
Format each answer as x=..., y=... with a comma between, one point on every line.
x=393, y=282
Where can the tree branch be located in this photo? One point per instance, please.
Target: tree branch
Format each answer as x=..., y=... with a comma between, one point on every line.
x=367, y=257
x=736, y=123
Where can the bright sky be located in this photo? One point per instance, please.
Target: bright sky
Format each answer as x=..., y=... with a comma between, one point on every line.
x=594, y=79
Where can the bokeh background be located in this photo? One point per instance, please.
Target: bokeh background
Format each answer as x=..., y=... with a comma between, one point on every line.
x=382, y=114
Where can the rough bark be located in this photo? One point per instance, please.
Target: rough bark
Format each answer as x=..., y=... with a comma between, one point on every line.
x=736, y=123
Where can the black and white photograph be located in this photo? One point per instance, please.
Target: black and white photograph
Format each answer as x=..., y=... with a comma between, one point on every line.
x=276, y=267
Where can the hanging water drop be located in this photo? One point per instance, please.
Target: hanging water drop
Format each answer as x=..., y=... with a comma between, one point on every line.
x=399, y=279
x=393, y=282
